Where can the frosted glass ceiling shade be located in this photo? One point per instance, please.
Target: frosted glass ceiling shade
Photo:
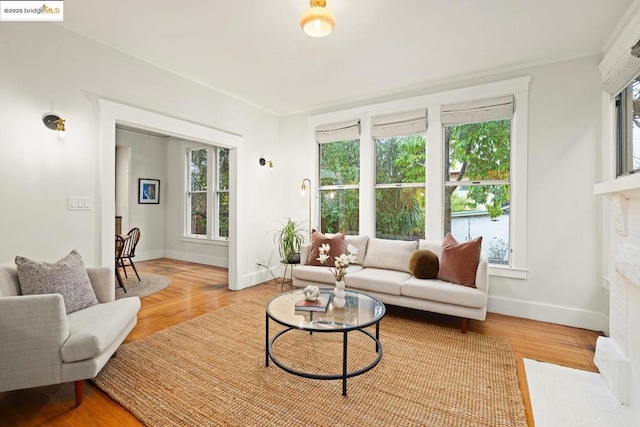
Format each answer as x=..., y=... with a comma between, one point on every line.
x=318, y=21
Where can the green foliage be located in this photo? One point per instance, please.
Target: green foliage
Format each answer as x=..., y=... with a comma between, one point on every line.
x=340, y=211
x=289, y=238
x=340, y=163
x=400, y=159
x=482, y=151
x=400, y=211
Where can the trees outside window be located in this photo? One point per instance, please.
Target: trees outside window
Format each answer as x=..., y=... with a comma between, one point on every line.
x=207, y=210
x=400, y=187
x=477, y=186
x=339, y=186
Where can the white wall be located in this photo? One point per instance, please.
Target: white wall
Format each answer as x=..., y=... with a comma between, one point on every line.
x=563, y=284
x=38, y=171
x=149, y=161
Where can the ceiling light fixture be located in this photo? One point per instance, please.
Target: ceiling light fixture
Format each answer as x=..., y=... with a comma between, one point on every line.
x=318, y=21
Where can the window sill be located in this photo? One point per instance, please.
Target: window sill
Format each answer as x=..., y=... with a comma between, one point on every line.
x=510, y=272
x=204, y=241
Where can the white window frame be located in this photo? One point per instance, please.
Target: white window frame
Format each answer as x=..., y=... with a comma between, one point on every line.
x=212, y=192
x=333, y=187
x=377, y=186
x=519, y=88
x=218, y=193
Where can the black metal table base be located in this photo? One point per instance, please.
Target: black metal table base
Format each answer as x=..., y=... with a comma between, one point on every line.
x=345, y=372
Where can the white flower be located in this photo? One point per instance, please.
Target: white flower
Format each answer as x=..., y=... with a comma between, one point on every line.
x=352, y=250
x=342, y=259
x=323, y=257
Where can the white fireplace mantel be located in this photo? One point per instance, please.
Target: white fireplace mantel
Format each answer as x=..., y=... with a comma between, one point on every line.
x=626, y=186
x=615, y=355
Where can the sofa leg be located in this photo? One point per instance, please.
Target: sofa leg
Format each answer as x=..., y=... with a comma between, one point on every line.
x=463, y=325
x=79, y=386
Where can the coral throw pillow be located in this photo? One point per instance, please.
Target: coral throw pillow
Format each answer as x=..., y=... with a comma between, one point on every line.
x=336, y=242
x=459, y=261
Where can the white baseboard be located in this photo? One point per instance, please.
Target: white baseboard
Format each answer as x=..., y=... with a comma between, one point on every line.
x=147, y=255
x=256, y=278
x=199, y=258
x=548, y=313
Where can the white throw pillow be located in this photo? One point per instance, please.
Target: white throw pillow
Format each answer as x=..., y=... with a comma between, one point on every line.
x=389, y=254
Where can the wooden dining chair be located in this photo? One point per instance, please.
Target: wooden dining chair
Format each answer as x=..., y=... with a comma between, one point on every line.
x=120, y=244
x=129, y=251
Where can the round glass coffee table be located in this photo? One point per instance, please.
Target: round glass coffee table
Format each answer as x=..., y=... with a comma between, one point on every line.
x=360, y=312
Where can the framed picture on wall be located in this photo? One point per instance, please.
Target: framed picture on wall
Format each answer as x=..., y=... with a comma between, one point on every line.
x=148, y=191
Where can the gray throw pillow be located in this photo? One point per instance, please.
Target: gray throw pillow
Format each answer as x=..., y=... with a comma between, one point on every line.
x=67, y=277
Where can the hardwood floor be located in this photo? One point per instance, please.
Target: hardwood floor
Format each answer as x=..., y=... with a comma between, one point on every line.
x=198, y=289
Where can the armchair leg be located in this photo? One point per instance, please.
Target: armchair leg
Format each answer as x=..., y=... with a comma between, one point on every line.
x=79, y=386
x=463, y=325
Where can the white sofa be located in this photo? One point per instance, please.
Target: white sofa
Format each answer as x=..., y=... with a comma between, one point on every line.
x=382, y=271
x=42, y=345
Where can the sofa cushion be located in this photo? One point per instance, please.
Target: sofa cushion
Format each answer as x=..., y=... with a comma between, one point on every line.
x=441, y=291
x=434, y=246
x=389, y=254
x=9, y=285
x=424, y=264
x=377, y=280
x=94, y=329
x=320, y=274
x=67, y=277
x=335, y=242
x=360, y=243
x=459, y=261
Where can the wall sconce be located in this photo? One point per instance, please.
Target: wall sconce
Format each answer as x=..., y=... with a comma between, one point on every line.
x=264, y=162
x=54, y=122
x=303, y=192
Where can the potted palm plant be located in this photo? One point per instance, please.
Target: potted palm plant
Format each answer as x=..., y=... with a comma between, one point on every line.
x=289, y=239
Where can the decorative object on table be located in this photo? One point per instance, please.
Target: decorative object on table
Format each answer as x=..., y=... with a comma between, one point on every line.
x=339, y=299
x=311, y=293
x=289, y=239
x=319, y=304
x=148, y=191
x=339, y=269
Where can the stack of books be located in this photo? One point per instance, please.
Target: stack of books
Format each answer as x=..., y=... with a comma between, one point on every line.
x=320, y=304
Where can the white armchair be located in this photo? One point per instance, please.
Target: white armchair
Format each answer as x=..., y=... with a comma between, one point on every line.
x=42, y=345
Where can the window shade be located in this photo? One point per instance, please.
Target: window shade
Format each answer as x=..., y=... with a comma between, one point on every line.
x=484, y=110
x=623, y=72
x=344, y=131
x=399, y=124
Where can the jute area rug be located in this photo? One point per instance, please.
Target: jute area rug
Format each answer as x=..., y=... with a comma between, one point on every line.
x=210, y=371
x=149, y=284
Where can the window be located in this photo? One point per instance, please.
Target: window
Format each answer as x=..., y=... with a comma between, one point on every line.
x=222, y=193
x=400, y=153
x=477, y=189
x=628, y=128
x=466, y=174
x=208, y=211
x=339, y=186
x=339, y=146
